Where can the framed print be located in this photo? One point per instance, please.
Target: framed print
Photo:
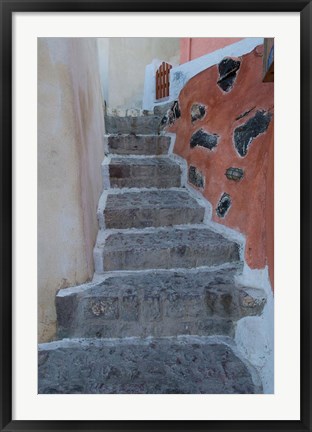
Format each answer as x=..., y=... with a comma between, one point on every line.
x=155, y=215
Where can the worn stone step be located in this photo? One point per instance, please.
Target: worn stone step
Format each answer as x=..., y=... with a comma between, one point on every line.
x=149, y=124
x=159, y=172
x=176, y=247
x=157, y=304
x=151, y=208
x=131, y=144
x=183, y=365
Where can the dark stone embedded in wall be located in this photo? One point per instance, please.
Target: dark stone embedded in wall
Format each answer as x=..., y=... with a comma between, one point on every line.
x=195, y=177
x=197, y=112
x=172, y=114
x=245, y=134
x=176, y=109
x=204, y=139
x=223, y=205
x=227, y=73
x=235, y=174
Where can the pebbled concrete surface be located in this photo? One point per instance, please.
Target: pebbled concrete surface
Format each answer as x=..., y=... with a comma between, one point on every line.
x=158, y=304
x=159, y=172
x=151, y=208
x=167, y=248
x=138, y=144
x=184, y=365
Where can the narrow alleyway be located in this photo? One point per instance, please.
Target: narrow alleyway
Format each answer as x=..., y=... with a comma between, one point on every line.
x=160, y=314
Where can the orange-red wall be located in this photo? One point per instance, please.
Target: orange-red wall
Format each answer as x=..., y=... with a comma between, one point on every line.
x=251, y=212
x=191, y=48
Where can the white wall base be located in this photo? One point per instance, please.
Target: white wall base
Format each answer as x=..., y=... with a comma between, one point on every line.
x=254, y=336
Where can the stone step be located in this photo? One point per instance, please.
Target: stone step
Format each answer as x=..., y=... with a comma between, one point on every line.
x=149, y=124
x=157, y=304
x=129, y=172
x=132, y=144
x=151, y=208
x=164, y=248
x=183, y=365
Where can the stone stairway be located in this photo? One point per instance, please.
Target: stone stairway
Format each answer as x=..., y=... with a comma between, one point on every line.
x=160, y=314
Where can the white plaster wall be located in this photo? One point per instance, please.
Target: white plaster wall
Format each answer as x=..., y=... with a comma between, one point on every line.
x=126, y=59
x=70, y=151
x=103, y=59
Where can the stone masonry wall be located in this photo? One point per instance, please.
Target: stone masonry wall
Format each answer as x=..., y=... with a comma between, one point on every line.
x=225, y=133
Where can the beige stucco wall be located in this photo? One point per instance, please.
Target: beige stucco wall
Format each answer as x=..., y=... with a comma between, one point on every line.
x=70, y=151
x=122, y=65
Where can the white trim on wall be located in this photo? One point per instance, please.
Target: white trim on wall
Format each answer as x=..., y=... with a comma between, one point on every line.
x=181, y=74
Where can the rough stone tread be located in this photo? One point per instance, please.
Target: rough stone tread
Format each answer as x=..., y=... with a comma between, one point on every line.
x=150, y=124
x=167, y=248
x=151, y=208
x=159, y=172
x=158, y=304
x=131, y=144
x=185, y=365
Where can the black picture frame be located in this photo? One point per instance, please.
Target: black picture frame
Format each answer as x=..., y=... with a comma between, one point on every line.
x=7, y=8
